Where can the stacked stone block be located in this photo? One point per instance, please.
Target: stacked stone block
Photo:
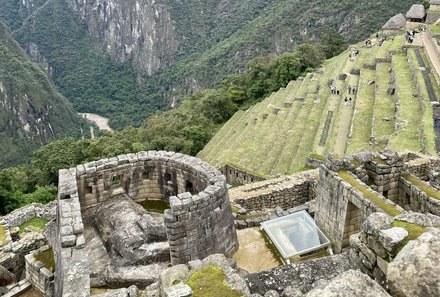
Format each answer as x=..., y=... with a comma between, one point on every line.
x=202, y=224
x=412, y=198
x=384, y=176
x=24, y=214
x=144, y=176
x=12, y=255
x=378, y=243
x=199, y=222
x=39, y=276
x=72, y=277
x=333, y=195
x=285, y=192
x=239, y=176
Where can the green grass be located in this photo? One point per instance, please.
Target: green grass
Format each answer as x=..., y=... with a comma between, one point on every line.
x=209, y=281
x=414, y=231
x=435, y=29
x=431, y=192
x=426, y=124
x=363, y=112
x=398, y=42
x=157, y=206
x=34, y=222
x=384, y=104
x=410, y=112
x=3, y=239
x=379, y=202
x=47, y=258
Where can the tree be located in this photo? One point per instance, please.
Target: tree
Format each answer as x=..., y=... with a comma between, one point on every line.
x=331, y=43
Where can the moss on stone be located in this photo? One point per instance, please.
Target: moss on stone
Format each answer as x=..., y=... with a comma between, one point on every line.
x=269, y=244
x=247, y=170
x=157, y=206
x=422, y=186
x=253, y=215
x=378, y=160
x=379, y=202
x=47, y=258
x=317, y=156
x=414, y=231
x=35, y=223
x=209, y=281
x=3, y=239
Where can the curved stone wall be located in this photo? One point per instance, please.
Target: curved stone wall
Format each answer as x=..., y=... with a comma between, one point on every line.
x=199, y=221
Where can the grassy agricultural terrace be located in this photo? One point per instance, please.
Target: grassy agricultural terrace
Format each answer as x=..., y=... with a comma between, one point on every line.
x=390, y=107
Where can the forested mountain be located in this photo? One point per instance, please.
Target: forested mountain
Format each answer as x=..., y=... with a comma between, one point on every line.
x=125, y=59
x=32, y=112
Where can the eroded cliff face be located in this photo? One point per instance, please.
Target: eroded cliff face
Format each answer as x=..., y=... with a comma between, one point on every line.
x=137, y=32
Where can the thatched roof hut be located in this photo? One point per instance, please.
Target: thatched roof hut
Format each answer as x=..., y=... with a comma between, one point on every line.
x=397, y=22
x=416, y=13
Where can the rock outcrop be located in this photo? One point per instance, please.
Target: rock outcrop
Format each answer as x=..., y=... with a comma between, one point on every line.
x=416, y=271
x=351, y=283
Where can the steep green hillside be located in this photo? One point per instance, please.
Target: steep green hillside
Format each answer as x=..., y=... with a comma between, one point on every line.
x=32, y=112
x=98, y=51
x=390, y=107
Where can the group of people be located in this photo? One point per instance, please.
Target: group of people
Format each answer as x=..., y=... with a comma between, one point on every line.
x=410, y=35
x=351, y=90
x=347, y=101
x=334, y=90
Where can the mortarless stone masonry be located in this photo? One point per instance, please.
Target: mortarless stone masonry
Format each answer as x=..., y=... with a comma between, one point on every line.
x=199, y=221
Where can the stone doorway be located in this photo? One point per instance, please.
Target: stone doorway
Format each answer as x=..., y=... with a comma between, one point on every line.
x=352, y=223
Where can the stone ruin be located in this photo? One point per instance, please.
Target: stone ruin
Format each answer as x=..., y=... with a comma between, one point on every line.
x=380, y=210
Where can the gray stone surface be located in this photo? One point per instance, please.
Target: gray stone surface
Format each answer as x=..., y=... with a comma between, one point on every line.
x=416, y=269
x=300, y=276
x=176, y=274
x=351, y=283
x=118, y=222
x=272, y=293
x=179, y=290
x=6, y=278
x=425, y=220
x=134, y=275
x=376, y=222
x=236, y=282
x=392, y=237
x=220, y=261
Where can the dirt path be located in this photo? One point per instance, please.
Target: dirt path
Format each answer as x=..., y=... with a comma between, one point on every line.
x=100, y=121
x=432, y=54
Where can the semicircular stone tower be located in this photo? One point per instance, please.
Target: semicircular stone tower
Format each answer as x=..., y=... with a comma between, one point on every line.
x=198, y=223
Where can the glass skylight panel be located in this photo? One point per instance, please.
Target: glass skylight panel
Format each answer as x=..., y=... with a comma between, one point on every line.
x=295, y=234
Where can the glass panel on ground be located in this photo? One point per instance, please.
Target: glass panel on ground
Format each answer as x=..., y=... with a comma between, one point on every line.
x=295, y=234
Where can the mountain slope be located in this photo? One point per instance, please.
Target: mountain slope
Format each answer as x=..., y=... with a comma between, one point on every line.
x=391, y=106
x=171, y=48
x=32, y=112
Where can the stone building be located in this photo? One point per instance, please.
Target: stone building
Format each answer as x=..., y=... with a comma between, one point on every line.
x=416, y=14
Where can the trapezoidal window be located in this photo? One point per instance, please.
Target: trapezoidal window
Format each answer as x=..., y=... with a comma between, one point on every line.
x=167, y=177
x=145, y=175
x=88, y=190
x=116, y=180
x=189, y=187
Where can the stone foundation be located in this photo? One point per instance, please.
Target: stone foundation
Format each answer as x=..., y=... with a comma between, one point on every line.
x=285, y=192
x=238, y=176
x=39, y=276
